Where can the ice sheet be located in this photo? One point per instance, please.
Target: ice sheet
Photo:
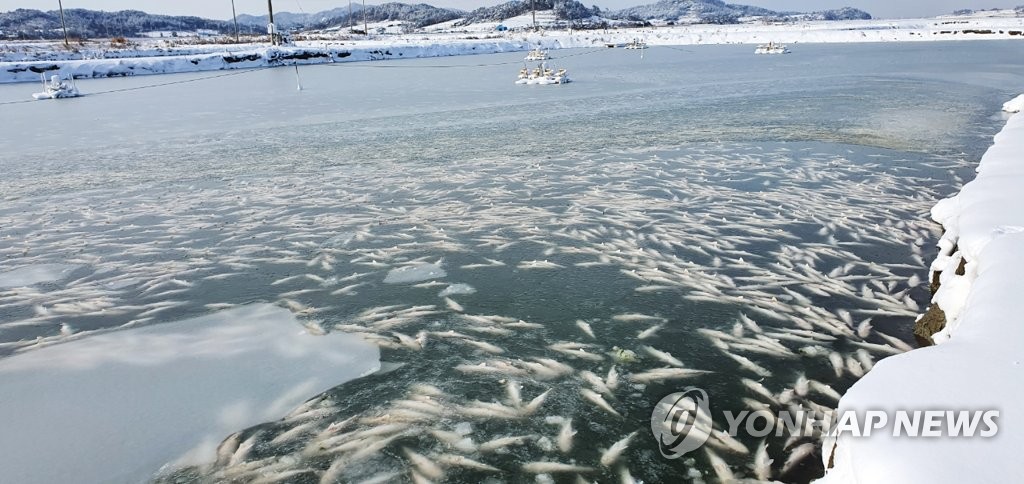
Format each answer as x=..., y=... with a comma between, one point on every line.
x=116, y=407
x=35, y=274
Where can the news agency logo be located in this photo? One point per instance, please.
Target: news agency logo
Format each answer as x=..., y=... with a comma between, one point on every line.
x=681, y=423
x=677, y=422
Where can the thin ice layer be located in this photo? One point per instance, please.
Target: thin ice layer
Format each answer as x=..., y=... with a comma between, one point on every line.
x=35, y=274
x=116, y=407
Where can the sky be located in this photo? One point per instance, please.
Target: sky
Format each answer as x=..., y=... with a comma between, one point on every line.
x=221, y=9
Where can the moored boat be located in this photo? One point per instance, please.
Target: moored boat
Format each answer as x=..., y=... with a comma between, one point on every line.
x=57, y=88
x=537, y=55
x=636, y=44
x=771, y=48
x=542, y=75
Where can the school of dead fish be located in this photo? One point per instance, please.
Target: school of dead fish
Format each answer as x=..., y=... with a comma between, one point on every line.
x=772, y=236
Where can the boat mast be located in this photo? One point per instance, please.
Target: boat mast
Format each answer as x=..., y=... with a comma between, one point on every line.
x=63, y=25
x=235, y=18
x=270, y=27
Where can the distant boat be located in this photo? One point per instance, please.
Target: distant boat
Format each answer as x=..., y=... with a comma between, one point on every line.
x=542, y=75
x=57, y=88
x=537, y=55
x=771, y=48
x=636, y=44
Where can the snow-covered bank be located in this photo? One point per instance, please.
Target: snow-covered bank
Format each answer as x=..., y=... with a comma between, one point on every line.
x=116, y=407
x=978, y=363
x=22, y=62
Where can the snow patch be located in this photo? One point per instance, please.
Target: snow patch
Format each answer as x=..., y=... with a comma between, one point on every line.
x=1014, y=105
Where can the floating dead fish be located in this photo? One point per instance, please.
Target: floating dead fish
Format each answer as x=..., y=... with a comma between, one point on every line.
x=554, y=467
x=661, y=374
x=613, y=453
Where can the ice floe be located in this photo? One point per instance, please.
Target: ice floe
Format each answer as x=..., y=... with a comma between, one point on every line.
x=415, y=273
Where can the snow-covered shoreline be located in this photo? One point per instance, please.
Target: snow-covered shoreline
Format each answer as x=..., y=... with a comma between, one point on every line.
x=23, y=62
x=977, y=363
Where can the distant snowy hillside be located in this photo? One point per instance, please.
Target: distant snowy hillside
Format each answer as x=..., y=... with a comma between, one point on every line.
x=35, y=24
x=719, y=12
x=419, y=15
x=563, y=9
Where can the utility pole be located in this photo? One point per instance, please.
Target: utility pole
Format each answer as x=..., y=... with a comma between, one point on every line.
x=235, y=18
x=533, y=8
x=366, y=31
x=63, y=25
x=350, y=17
x=270, y=28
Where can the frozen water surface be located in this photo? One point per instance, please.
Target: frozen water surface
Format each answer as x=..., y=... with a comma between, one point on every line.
x=760, y=217
x=35, y=274
x=116, y=407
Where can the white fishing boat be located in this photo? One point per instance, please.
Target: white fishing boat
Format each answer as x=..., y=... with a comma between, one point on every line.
x=542, y=75
x=771, y=48
x=57, y=88
x=537, y=55
x=635, y=44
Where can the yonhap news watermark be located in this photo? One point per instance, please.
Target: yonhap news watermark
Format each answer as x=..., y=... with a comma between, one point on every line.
x=682, y=422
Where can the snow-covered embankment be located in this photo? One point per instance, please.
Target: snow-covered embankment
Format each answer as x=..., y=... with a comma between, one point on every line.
x=978, y=363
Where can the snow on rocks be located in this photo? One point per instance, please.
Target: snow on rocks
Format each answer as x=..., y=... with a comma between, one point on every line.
x=978, y=362
x=1014, y=105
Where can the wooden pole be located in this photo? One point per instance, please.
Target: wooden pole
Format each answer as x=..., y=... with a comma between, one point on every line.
x=235, y=18
x=350, y=17
x=63, y=25
x=366, y=31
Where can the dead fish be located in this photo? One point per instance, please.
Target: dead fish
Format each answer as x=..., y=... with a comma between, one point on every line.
x=565, y=436
x=797, y=455
x=721, y=469
x=837, y=363
x=424, y=465
x=612, y=380
x=536, y=403
x=664, y=356
x=452, y=460
x=762, y=466
x=596, y=382
x=647, y=333
x=746, y=364
x=502, y=442
x=613, y=453
x=553, y=467
x=585, y=327
x=634, y=317
x=598, y=400
x=454, y=306
x=659, y=374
